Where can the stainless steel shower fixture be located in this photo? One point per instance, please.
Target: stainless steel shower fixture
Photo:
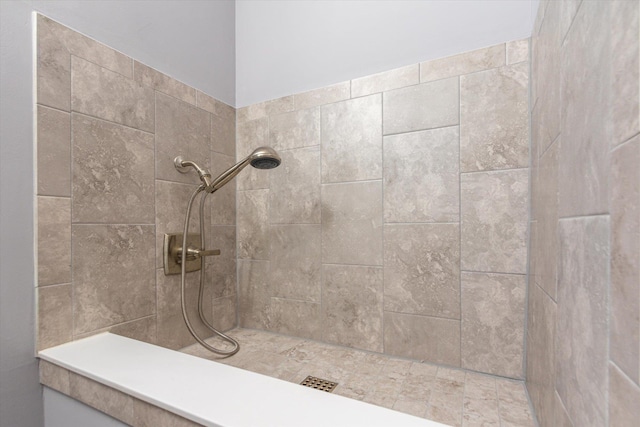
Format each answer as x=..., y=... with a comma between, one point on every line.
x=260, y=158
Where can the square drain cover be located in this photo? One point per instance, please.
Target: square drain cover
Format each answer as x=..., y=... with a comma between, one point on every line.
x=319, y=384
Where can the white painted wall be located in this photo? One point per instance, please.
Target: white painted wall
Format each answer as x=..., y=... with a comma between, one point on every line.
x=285, y=47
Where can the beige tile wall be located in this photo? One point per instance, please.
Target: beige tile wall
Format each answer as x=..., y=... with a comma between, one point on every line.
x=583, y=333
x=108, y=130
x=397, y=221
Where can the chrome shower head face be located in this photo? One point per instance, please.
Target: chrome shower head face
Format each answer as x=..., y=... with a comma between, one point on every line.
x=264, y=158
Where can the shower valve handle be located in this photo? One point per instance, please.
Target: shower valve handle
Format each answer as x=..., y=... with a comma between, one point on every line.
x=201, y=253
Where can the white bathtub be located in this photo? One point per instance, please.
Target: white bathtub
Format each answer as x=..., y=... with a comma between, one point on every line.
x=211, y=393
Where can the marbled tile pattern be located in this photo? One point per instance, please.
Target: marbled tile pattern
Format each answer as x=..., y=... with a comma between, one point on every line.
x=120, y=195
x=107, y=95
x=253, y=229
x=249, y=136
x=181, y=129
x=54, y=237
x=493, y=323
x=625, y=258
x=425, y=106
x=422, y=269
x=581, y=337
x=583, y=317
x=464, y=63
x=113, y=274
x=325, y=95
x=432, y=339
x=352, y=223
x=494, y=221
x=494, y=125
x=452, y=396
x=583, y=181
x=421, y=176
x=294, y=196
x=352, y=140
x=388, y=80
x=295, y=129
x=295, y=261
x=352, y=309
x=54, y=152
x=112, y=181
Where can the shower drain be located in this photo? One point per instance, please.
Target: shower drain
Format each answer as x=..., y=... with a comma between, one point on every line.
x=319, y=384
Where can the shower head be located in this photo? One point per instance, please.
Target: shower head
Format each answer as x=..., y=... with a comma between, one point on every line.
x=264, y=158
x=260, y=158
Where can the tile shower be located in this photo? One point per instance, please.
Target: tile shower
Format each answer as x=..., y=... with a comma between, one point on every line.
x=398, y=223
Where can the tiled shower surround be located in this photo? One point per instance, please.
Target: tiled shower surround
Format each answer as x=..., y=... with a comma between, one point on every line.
x=397, y=222
x=583, y=347
x=108, y=130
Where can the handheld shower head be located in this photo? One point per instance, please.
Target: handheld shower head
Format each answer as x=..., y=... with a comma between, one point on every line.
x=260, y=158
x=264, y=158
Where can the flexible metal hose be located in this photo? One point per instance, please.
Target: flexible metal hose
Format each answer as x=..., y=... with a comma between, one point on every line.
x=183, y=274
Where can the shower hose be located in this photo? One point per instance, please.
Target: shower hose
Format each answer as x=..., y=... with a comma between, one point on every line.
x=183, y=272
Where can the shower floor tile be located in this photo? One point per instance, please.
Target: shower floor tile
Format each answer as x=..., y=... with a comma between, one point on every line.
x=450, y=396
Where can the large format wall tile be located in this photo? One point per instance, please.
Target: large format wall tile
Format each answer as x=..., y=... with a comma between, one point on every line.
x=54, y=240
x=254, y=301
x=295, y=129
x=113, y=275
x=112, y=174
x=223, y=135
x=223, y=201
x=421, y=179
x=352, y=140
x=224, y=313
x=217, y=108
x=425, y=106
x=295, y=261
x=265, y=109
x=541, y=332
x=548, y=55
x=494, y=221
x=251, y=135
x=625, y=258
x=55, y=315
x=584, y=153
x=253, y=224
x=625, y=69
x=107, y=95
x=430, y=339
x=221, y=269
x=56, y=44
x=181, y=129
x=147, y=76
x=547, y=254
x=625, y=398
x=352, y=223
x=494, y=125
x=422, y=269
x=297, y=318
x=325, y=95
x=294, y=195
x=517, y=51
x=352, y=306
x=464, y=63
x=388, y=80
x=581, y=331
x=172, y=330
x=172, y=199
x=54, y=152
x=493, y=323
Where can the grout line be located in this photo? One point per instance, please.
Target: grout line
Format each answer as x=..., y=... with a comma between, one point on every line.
x=80, y=113
x=460, y=217
x=495, y=170
x=625, y=142
x=576, y=217
x=384, y=135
